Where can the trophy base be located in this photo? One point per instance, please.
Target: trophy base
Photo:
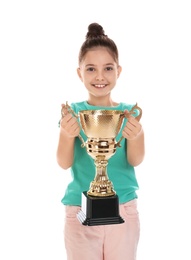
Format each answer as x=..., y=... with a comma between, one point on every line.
x=99, y=210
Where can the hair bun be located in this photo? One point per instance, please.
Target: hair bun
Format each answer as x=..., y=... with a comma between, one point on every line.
x=95, y=30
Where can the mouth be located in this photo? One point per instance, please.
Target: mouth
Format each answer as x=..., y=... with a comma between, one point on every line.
x=99, y=85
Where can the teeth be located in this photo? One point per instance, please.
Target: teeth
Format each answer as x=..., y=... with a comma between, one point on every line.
x=99, y=86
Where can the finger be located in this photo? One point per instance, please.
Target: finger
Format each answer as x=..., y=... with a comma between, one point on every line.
x=65, y=120
x=64, y=110
x=75, y=129
x=133, y=121
x=128, y=134
x=126, y=113
x=131, y=125
x=136, y=126
x=71, y=127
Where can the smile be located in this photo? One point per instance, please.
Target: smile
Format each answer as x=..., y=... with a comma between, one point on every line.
x=99, y=85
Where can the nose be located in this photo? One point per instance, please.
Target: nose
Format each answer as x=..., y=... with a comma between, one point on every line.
x=99, y=76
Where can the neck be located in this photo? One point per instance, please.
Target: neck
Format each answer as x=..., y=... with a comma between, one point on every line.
x=102, y=102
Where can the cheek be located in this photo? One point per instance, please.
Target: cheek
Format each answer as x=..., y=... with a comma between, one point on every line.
x=113, y=77
x=87, y=78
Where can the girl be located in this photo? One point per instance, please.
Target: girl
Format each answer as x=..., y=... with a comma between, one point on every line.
x=99, y=70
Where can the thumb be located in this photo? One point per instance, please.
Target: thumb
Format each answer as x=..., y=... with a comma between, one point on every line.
x=126, y=113
x=64, y=110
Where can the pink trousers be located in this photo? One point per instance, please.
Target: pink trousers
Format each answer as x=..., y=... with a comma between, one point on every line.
x=103, y=242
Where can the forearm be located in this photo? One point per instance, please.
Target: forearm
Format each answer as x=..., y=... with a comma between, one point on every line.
x=65, y=150
x=136, y=149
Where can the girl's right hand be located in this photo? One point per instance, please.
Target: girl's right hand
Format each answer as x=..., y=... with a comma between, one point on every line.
x=69, y=124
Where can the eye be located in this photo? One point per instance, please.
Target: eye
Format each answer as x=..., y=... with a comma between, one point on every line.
x=109, y=68
x=90, y=69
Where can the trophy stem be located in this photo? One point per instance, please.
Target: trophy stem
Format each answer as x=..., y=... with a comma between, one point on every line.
x=101, y=185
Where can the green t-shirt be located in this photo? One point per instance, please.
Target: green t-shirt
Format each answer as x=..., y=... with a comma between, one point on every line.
x=119, y=171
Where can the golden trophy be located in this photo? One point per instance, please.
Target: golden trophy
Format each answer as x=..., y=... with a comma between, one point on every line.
x=100, y=205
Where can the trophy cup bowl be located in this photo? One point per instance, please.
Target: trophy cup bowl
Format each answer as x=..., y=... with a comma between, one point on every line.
x=101, y=128
x=100, y=205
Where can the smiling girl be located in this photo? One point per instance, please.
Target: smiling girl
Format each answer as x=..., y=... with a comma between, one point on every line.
x=99, y=71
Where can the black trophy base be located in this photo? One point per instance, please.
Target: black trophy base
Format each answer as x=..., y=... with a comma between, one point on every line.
x=99, y=210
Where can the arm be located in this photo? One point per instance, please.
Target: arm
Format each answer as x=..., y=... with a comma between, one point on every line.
x=134, y=134
x=69, y=130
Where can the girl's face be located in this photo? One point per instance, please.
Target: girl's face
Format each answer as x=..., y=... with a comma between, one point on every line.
x=99, y=73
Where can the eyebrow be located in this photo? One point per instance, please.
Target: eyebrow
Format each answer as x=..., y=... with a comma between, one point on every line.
x=107, y=64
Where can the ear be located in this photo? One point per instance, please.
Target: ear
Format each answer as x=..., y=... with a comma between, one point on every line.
x=119, y=69
x=79, y=74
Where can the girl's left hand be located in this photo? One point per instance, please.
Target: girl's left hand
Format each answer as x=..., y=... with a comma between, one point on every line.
x=132, y=128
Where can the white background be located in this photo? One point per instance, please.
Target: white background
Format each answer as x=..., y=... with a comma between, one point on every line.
x=39, y=46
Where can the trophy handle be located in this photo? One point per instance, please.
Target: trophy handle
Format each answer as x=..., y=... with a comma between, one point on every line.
x=71, y=111
x=132, y=112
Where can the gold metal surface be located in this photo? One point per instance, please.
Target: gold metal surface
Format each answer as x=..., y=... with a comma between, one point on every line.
x=101, y=123
x=101, y=128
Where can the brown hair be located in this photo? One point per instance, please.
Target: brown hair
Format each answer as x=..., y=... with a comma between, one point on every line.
x=96, y=37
